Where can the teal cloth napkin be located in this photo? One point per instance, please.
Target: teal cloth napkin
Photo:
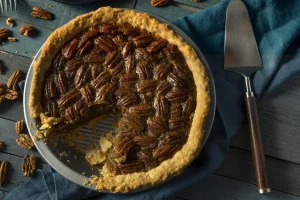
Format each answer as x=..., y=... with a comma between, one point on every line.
x=276, y=25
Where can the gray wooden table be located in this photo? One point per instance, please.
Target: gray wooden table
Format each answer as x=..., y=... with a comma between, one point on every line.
x=235, y=179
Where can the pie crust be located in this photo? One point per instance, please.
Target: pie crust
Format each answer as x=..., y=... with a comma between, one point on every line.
x=168, y=168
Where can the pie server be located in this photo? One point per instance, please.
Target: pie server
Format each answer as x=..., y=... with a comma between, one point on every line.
x=242, y=56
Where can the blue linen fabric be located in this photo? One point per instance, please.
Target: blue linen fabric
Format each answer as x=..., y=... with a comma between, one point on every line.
x=276, y=25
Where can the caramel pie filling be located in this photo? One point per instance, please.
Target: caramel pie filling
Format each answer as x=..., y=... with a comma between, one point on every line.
x=133, y=73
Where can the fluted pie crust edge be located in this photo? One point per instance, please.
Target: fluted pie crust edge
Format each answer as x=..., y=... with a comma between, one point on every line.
x=168, y=168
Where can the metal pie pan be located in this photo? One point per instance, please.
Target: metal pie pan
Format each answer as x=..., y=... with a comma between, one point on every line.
x=73, y=166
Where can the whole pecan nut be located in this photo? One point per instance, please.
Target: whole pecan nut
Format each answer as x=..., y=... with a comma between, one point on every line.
x=10, y=94
x=4, y=33
x=27, y=30
x=25, y=141
x=158, y=3
x=14, y=79
x=3, y=172
x=28, y=165
x=1, y=145
x=19, y=126
x=41, y=13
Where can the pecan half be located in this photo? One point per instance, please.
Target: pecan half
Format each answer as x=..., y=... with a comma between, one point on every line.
x=84, y=48
x=10, y=22
x=69, y=97
x=80, y=107
x=146, y=86
x=141, y=109
x=142, y=54
x=60, y=81
x=162, y=70
x=41, y=13
x=175, y=138
x=70, y=49
x=119, y=41
x=105, y=93
x=145, y=141
x=52, y=108
x=130, y=126
x=158, y=3
x=27, y=30
x=127, y=49
x=157, y=126
x=148, y=160
x=19, y=126
x=125, y=97
x=108, y=28
x=163, y=152
x=190, y=105
x=50, y=89
x=131, y=166
x=1, y=69
x=105, y=43
x=143, y=40
x=25, y=141
x=4, y=33
x=124, y=145
x=177, y=123
x=83, y=75
x=58, y=62
x=129, y=64
x=10, y=94
x=161, y=106
x=101, y=79
x=176, y=80
x=175, y=110
x=176, y=96
x=14, y=79
x=163, y=87
x=28, y=165
x=128, y=79
x=143, y=70
x=87, y=94
x=157, y=45
x=70, y=114
x=3, y=172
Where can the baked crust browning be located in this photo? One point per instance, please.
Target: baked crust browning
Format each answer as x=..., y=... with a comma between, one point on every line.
x=169, y=167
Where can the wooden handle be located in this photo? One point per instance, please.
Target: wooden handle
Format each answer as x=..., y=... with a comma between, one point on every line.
x=256, y=145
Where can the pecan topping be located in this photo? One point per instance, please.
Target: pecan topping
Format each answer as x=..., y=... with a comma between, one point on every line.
x=146, y=86
x=19, y=126
x=163, y=152
x=69, y=97
x=70, y=114
x=131, y=166
x=177, y=123
x=84, y=48
x=176, y=96
x=119, y=41
x=80, y=107
x=101, y=79
x=3, y=172
x=163, y=88
x=160, y=105
x=50, y=89
x=157, y=45
x=141, y=109
x=158, y=3
x=4, y=33
x=174, y=138
x=176, y=80
x=128, y=79
x=131, y=126
x=162, y=70
x=129, y=64
x=82, y=76
x=70, y=49
x=157, y=126
x=143, y=40
x=14, y=79
x=124, y=146
x=27, y=30
x=41, y=13
x=125, y=97
x=87, y=94
x=147, y=159
x=145, y=141
x=60, y=81
x=105, y=43
x=10, y=22
x=190, y=105
x=58, y=62
x=142, y=54
x=9, y=94
x=175, y=110
x=105, y=93
x=94, y=59
x=25, y=141
x=52, y=108
x=108, y=28
x=128, y=49
x=1, y=145
x=143, y=70
x=28, y=165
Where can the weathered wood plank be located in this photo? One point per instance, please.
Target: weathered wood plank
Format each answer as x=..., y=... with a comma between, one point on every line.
x=279, y=118
x=62, y=12
x=282, y=175
x=13, y=109
x=8, y=136
x=15, y=176
x=222, y=188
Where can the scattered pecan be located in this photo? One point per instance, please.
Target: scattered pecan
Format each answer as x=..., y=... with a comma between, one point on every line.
x=41, y=13
x=25, y=141
x=11, y=39
x=157, y=45
x=3, y=172
x=4, y=33
x=10, y=22
x=19, y=126
x=10, y=94
x=27, y=30
x=158, y=3
x=1, y=145
x=28, y=165
x=13, y=80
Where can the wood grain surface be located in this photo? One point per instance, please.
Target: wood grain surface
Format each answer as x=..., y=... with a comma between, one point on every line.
x=279, y=113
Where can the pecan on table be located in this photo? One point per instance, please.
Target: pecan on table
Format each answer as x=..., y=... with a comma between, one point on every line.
x=28, y=165
x=158, y=3
x=11, y=39
x=10, y=22
x=10, y=94
x=3, y=172
x=19, y=126
x=41, y=13
x=25, y=141
x=1, y=145
x=27, y=30
x=4, y=33
x=13, y=80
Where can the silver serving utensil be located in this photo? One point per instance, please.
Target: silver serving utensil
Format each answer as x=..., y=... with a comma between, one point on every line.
x=242, y=56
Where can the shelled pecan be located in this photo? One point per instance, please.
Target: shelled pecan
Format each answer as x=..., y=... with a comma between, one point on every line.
x=27, y=30
x=14, y=79
x=28, y=165
x=19, y=126
x=10, y=22
x=4, y=33
x=1, y=145
x=3, y=172
x=158, y=3
x=25, y=141
x=41, y=13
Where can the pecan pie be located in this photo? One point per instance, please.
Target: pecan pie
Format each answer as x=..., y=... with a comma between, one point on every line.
x=127, y=63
